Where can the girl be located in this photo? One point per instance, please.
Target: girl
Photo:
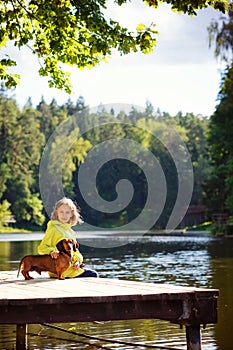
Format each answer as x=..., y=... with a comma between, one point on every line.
x=65, y=214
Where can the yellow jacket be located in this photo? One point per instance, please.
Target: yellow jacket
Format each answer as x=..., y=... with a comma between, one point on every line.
x=55, y=232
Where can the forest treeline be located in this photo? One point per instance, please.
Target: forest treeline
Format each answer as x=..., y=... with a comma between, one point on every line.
x=24, y=134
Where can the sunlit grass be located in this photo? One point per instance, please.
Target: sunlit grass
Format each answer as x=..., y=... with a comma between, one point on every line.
x=205, y=226
x=4, y=229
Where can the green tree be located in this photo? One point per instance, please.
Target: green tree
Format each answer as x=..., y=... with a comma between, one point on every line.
x=219, y=188
x=196, y=130
x=74, y=108
x=20, y=148
x=24, y=157
x=221, y=35
x=143, y=127
x=154, y=140
x=5, y=213
x=50, y=116
x=64, y=151
x=77, y=33
x=8, y=123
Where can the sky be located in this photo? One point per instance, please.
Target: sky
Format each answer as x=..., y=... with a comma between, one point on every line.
x=182, y=74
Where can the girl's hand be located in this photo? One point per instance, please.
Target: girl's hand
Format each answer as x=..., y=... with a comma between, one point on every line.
x=54, y=255
x=77, y=265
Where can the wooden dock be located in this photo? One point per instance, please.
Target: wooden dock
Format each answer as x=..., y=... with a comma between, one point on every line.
x=46, y=300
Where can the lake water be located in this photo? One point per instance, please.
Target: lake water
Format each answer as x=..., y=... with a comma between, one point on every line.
x=187, y=261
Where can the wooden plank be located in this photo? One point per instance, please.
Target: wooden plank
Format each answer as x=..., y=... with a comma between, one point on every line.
x=88, y=299
x=45, y=300
x=32, y=291
x=99, y=287
x=67, y=312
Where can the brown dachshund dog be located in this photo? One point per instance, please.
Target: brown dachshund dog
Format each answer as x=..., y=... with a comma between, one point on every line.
x=45, y=262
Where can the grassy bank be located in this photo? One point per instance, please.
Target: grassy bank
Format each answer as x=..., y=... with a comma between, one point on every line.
x=205, y=226
x=13, y=230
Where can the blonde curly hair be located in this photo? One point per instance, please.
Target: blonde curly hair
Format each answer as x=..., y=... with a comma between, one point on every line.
x=75, y=218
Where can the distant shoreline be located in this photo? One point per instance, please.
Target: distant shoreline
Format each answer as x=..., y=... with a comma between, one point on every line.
x=34, y=236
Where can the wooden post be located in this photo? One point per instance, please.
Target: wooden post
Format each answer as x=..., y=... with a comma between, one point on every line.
x=193, y=337
x=21, y=336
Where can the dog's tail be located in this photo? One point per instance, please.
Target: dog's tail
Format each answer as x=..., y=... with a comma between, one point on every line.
x=20, y=266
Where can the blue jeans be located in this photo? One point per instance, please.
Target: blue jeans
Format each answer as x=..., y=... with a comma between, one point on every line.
x=88, y=273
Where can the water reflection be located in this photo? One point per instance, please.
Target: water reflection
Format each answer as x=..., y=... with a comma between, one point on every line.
x=192, y=261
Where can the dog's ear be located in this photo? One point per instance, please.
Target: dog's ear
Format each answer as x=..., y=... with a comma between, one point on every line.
x=59, y=245
x=75, y=245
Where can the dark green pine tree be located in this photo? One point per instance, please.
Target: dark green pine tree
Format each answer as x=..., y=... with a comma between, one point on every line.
x=24, y=157
x=220, y=187
x=9, y=112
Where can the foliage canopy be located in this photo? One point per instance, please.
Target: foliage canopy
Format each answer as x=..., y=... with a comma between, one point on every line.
x=23, y=135
x=219, y=188
x=76, y=32
x=221, y=34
